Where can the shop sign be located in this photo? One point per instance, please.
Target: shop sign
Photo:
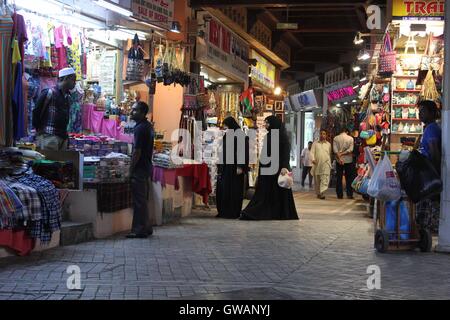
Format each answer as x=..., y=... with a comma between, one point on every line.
x=306, y=100
x=107, y=73
x=157, y=12
x=264, y=72
x=418, y=10
x=340, y=92
x=222, y=50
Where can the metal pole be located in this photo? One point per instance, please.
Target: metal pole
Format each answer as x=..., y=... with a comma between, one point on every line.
x=444, y=222
x=297, y=174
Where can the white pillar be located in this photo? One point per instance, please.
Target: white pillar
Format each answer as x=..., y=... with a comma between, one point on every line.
x=444, y=223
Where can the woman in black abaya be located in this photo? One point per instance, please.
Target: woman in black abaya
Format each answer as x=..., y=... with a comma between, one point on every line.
x=230, y=180
x=271, y=202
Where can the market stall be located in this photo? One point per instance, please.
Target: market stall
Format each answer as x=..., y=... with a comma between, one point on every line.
x=409, y=70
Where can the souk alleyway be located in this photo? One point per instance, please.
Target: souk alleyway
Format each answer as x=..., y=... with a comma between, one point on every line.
x=325, y=255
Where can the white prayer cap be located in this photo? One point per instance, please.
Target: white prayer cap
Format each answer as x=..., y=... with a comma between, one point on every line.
x=66, y=72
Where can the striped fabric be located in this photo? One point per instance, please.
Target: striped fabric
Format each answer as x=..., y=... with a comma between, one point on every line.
x=6, y=26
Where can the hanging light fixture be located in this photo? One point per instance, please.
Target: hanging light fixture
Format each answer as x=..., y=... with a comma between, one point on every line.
x=364, y=55
x=176, y=27
x=277, y=91
x=358, y=39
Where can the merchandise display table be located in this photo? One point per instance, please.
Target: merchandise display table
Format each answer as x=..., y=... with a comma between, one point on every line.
x=172, y=191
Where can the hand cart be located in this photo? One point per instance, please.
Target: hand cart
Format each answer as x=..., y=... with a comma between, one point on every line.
x=397, y=239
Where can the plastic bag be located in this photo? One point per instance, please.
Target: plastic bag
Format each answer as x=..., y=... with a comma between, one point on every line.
x=384, y=184
x=418, y=177
x=393, y=209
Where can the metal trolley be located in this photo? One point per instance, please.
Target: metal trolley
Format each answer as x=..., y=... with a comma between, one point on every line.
x=397, y=239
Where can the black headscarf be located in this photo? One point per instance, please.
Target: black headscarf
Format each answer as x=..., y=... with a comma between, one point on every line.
x=231, y=123
x=284, y=146
x=274, y=122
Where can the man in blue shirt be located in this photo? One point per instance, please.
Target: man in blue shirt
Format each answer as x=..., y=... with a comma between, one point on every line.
x=431, y=144
x=140, y=170
x=428, y=210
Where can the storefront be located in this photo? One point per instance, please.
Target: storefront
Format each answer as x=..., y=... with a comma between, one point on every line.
x=115, y=66
x=410, y=69
x=306, y=108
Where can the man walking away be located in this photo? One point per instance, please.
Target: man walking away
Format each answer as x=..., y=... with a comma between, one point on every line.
x=140, y=170
x=321, y=159
x=343, y=149
x=307, y=164
x=52, y=111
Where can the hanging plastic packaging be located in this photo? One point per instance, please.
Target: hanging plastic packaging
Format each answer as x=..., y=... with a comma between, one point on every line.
x=384, y=184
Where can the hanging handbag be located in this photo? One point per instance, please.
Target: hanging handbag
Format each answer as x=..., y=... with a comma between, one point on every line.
x=136, y=63
x=430, y=61
x=159, y=64
x=387, y=62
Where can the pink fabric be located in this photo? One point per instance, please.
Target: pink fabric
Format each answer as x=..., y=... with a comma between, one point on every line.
x=94, y=122
x=165, y=177
x=110, y=128
x=86, y=112
x=59, y=37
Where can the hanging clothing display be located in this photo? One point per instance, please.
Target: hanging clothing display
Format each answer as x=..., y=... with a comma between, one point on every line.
x=6, y=29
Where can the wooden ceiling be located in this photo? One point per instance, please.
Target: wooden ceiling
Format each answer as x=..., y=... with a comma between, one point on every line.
x=324, y=39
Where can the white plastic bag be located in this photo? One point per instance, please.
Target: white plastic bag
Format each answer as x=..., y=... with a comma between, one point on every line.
x=384, y=184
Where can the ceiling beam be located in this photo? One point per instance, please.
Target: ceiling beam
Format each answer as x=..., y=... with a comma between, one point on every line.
x=324, y=30
x=329, y=48
x=305, y=67
x=293, y=40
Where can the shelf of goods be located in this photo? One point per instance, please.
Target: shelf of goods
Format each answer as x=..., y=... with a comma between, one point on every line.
x=404, y=97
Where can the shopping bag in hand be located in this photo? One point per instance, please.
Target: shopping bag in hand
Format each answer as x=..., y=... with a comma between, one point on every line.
x=384, y=184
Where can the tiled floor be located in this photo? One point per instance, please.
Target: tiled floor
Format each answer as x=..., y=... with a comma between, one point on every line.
x=325, y=255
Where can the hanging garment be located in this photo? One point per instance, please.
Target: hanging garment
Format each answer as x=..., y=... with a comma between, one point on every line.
x=75, y=125
x=32, y=96
x=6, y=27
x=19, y=106
x=20, y=33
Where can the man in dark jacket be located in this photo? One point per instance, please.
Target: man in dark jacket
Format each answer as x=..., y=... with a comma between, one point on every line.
x=51, y=116
x=140, y=170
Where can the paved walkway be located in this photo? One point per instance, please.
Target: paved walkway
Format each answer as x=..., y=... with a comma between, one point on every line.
x=325, y=255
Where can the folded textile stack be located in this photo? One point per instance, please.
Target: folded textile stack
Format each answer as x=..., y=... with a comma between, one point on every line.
x=13, y=161
x=106, y=170
x=99, y=146
x=30, y=202
x=160, y=146
x=164, y=160
x=61, y=173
